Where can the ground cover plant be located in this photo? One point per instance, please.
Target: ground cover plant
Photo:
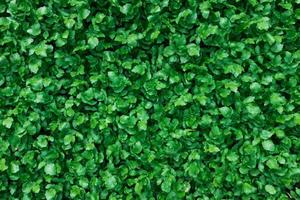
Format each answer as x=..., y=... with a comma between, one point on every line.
x=149, y=99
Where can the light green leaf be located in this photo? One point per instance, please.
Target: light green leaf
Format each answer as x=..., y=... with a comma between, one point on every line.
x=154, y=34
x=270, y=189
x=297, y=118
x=139, y=69
x=276, y=99
x=266, y=134
x=8, y=122
x=111, y=182
x=68, y=139
x=3, y=165
x=50, y=194
x=264, y=23
x=14, y=167
x=34, y=30
x=84, y=13
x=50, y=169
x=166, y=185
x=42, y=141
x=42, y=10
x=248, y=189
x=272, y=163
x=93, y=42
x=234, y=69
x=268, y=145
x=193, y=50
x=34, y=66
x=69, y=23
x=137, y=148
x=212, y=148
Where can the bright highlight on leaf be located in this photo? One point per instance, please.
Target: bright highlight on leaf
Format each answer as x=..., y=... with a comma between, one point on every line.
x=8, y=122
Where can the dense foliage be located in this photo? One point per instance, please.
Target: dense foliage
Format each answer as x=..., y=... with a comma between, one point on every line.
x=154, y=99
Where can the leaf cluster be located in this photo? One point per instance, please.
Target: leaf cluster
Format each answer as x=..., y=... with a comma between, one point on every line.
x=149, y=99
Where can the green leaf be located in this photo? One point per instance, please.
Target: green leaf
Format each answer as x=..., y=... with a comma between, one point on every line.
x=50, y=194
x=248, y=188
x=268, y=145
x=234, y=69
x=272, y=163
x=277, y=47
x=270, y=189
x=34, y=30
x=137, y=148
x=154, y=35
x=118, y=82
x=50, y=169
x=193, y=169
x=169, y=51
x=183, y=100
x=266, y=134
x=68, y=139
x=264, y=23
x=253, y=110
x=69, y=23
x=212, y=148
x=3, y=146
x=99, y=17
x=93, y=42
x=75, y=191
x=41, y=49
x=232, y=85
x=139, y=69
x=126, y=9
x=3, y=165
x=14, y=167
x=193, y=50
x=42, y=141
x=36, y=187
x=110, y=182
x=232, y=157
x=7, y=122
x=166, y=185
x=42, y=10
x=35, y=66
x=297, y=118
x=297, y=13
x=84, y=13
x=276, y=99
